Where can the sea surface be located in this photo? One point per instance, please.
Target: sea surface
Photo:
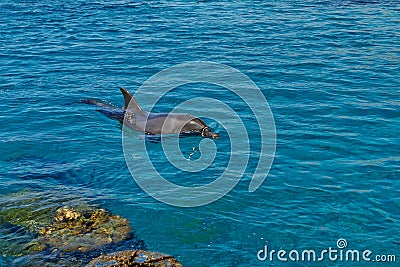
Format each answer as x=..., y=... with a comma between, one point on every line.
x=330, y=71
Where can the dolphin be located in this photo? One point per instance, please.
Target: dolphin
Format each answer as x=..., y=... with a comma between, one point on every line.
x=133, y=116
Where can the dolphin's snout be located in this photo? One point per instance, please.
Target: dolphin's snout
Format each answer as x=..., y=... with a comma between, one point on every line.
x=214, y=135
x=205, y=132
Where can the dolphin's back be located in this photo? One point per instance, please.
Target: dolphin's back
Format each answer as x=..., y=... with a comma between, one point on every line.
x=172, y=123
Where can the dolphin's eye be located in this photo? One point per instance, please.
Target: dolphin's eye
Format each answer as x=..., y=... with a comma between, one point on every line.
x=205, y=131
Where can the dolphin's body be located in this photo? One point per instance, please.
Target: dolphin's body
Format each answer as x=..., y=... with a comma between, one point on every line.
x=134, y=117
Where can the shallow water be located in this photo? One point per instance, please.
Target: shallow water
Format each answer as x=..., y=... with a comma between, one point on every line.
x=329, y=70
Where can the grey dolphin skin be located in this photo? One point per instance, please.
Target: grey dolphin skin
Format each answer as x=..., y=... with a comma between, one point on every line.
x=153, y=123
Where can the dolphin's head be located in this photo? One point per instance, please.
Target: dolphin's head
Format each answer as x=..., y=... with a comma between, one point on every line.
x=196, y=125
x=205, y=132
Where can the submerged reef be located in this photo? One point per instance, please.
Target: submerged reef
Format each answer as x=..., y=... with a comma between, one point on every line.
x=133, y=258
x=60, y=229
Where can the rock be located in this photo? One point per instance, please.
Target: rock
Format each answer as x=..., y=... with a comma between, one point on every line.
x=135, y=258
x=42, y=224
x=52, y=229
x=84, y=231
x=33, y=210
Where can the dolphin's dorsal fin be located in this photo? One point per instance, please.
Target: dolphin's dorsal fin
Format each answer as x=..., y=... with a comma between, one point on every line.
x=129, y=98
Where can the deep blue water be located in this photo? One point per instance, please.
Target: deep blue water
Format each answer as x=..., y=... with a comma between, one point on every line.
x=329, y=70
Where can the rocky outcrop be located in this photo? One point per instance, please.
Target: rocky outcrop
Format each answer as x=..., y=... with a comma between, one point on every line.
x=45, y=233
x=71, y=230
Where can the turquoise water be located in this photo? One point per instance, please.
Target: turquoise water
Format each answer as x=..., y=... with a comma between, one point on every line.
x=329, y=70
